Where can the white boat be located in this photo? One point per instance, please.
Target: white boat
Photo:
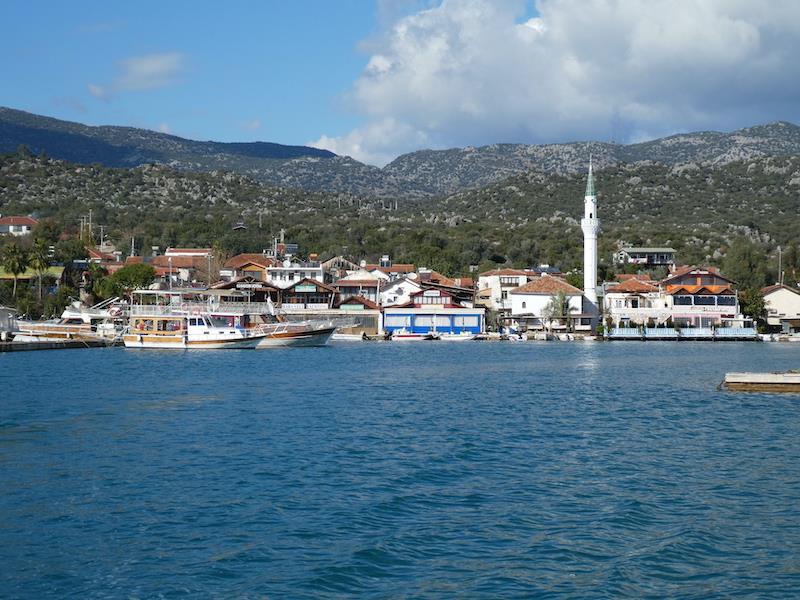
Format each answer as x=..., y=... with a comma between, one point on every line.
x=464, y=336
x=403, y=335
x=186, y=332
x=102, y=321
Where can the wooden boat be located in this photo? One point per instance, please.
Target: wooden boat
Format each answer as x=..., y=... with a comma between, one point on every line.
x=222, y=322
x=763, y=382
x=186, y=332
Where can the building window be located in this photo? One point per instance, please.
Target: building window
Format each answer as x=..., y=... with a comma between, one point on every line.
x=705, y=300
x=683, y=300
x=726, y=300
x=524, y=305
x=503, y=295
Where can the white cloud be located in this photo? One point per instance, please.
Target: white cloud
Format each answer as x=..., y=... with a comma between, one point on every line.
x=469, y=72
x=142, y=73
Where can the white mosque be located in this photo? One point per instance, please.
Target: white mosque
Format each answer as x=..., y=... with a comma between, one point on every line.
x=591, y=227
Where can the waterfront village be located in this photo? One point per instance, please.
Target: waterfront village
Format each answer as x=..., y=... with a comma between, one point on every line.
x=387, y=300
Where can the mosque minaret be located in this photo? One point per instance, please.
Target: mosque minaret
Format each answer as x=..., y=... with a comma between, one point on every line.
x=591, y=226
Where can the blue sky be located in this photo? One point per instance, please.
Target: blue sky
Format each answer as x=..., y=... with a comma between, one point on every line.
x=374, y=79
x=240, y=70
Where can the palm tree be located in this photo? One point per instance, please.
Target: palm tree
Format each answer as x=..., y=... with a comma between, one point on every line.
x=40, y=260
x=15, y=261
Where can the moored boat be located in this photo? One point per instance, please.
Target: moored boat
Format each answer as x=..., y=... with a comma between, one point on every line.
x=102, y=321
x=197, y=331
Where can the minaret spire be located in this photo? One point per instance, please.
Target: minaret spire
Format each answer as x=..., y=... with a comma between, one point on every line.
x=590, y=225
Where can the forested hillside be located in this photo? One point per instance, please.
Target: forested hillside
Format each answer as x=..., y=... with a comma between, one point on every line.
x=526, y=219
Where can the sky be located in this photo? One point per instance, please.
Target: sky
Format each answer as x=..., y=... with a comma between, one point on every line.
x=374, y=79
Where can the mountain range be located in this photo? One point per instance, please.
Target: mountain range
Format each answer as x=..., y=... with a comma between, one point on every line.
x=425, y=173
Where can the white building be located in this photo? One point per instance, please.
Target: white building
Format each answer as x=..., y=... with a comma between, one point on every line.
x=529, y=305
x=783, y=308
x=500, y=282
x=399, y=291
x=17, y=226
x=285, y=274
x=650, y=257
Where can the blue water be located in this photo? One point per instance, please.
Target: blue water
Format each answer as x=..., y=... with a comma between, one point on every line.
x=379, y=470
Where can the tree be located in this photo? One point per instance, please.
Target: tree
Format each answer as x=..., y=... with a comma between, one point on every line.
x=15, y=261
x=132, y=277
x=39, y=260
x=751, y=303
x=556, y=309
x=745, y=263
x=68, y=251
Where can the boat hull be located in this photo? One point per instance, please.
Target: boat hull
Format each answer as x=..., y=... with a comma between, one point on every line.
x=306, y=338
x=181, y=343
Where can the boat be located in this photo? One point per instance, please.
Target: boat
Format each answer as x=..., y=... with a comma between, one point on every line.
x=228, y=316
x=404, y=335
x=101, y=322
x=200, y=331
x=788, y=381
x=464, y=336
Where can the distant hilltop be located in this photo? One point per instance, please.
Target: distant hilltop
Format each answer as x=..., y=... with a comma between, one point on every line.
x=418, y=174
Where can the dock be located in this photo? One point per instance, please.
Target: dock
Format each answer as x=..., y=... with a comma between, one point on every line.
x=788, y=381
x=51, y=345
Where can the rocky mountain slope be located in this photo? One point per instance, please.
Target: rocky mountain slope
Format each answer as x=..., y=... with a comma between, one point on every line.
x=419, y=174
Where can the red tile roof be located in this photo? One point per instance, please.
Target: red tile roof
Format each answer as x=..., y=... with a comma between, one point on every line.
x=628, y=276
x=13, y=220
x=241, y=260
x=397, y=268
x=506, y=272
x=633, y=286
x=548, y=286
x=188, y=251
x=180, y=262
x=358, y=283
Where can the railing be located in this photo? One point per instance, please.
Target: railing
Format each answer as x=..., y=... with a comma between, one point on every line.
x=697, y=332
x=295, y=308
x=736, y=332
x=626, y=332
x=666, y=333
x=187, y=308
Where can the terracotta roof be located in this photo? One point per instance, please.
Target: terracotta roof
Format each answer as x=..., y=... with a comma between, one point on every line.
x=188, y=251
x=632, y=286
x=774, y=288
x=134, y=260
x=240, y=260
x=548, y=286
x=506, y=272
x=359, y=300
x=396, y=268
x=358, y=283
x=180, y=262
x=13, y=220
x=699, y=289
x=628, y=276
x=96, y=254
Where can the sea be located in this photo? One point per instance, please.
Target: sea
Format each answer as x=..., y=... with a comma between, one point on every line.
x=392, y=470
